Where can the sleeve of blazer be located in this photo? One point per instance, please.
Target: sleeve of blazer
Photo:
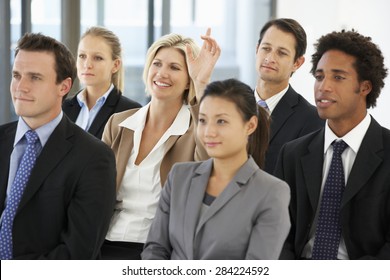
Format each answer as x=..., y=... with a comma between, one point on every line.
x=158, y=245
x=272, y=225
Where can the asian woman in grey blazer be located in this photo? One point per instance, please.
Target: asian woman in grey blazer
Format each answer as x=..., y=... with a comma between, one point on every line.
x=225, y=207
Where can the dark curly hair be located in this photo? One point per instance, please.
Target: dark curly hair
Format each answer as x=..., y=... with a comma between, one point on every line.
x=369, y=63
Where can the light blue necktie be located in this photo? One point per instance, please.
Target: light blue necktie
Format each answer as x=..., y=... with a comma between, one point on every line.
x=16, y=193
x=328, y=230
x=263, y=104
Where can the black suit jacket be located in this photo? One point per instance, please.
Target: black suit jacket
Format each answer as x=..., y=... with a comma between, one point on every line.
x=292, y=118
x=115, y=103
x=365, y=213
x=69, y=199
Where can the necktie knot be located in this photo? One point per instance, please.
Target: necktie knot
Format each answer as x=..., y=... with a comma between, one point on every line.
x=263, y=104
x=339, y=147
x=31, y=136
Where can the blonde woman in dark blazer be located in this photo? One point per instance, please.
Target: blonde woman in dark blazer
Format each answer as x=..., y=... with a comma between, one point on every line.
x=148, y=141
x=225, y=207
x=100, y=70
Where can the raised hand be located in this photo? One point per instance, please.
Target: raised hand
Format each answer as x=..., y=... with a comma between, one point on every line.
x=201, y=67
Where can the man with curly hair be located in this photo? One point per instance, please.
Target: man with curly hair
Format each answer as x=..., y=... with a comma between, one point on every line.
x=339, y=176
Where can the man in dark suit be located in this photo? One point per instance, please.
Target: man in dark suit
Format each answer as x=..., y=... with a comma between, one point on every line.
x=115, y=103
x=279, y=53
x=66, y=202
x=349, y=74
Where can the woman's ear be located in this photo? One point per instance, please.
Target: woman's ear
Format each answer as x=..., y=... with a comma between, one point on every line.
x=252, y=125
x=117, y=64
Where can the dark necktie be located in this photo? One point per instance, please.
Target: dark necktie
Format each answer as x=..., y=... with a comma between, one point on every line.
x=19, y=184
x=328, y=231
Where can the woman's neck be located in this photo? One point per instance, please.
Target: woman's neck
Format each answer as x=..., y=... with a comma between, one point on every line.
x=161, y=115
x=94, y=93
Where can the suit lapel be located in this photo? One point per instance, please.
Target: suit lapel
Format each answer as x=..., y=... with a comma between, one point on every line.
x=105, y=112
x=234, y=187
x=124, y=148
x=312, y=164
x=58, y=144
x=283, y=111
x=367, y=161
x=194, y=203
x=7, y=139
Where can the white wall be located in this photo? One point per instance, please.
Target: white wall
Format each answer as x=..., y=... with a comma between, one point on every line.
x=370, y=18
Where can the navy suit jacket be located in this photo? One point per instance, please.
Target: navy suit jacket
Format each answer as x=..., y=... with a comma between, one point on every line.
x=115, y=103
x=69, y=199
x=292, y=118
x=365, y=212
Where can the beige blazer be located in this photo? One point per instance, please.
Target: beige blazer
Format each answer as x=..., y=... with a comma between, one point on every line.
x=179, y=148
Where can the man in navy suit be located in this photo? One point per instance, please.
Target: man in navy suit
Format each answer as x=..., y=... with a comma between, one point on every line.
x=279, y=53
x=349, y=74
x=68, y=200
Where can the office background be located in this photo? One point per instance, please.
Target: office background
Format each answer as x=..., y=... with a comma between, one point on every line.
x=235, y=24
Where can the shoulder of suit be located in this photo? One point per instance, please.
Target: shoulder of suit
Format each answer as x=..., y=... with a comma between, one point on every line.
x=128, y=103
x=186, y=165
x=304, y=140
x=121, y=116
x=86, y=139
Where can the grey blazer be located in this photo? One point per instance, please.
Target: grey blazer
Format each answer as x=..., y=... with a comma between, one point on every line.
x=248, y=220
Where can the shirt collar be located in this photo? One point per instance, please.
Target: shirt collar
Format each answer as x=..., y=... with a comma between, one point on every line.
x=353, y=138
x=273, y=100
x=81, y=99
x=43, y=131
x=179, y=126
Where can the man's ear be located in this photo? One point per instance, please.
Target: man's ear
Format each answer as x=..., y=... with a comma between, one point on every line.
x=65, y=86
x=365, y=87
x=298, y=63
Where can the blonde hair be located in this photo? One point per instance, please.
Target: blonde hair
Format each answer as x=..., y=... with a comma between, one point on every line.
x=172, y=41
x=112, y=40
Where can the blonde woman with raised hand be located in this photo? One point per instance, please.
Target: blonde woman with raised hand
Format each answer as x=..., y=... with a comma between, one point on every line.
x=149, y=140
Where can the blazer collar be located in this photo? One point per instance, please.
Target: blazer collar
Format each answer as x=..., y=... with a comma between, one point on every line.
x=196, y=193
x=283, y=110
x=312, y=165
x=7, y=137
x=194, y=203
x=72, y=108
x=58, y=144
x=106, y=111
x=367, y=161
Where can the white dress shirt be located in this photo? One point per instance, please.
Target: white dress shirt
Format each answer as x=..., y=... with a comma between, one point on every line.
x=139, y=193
x=273, y=100
x=354, y=139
